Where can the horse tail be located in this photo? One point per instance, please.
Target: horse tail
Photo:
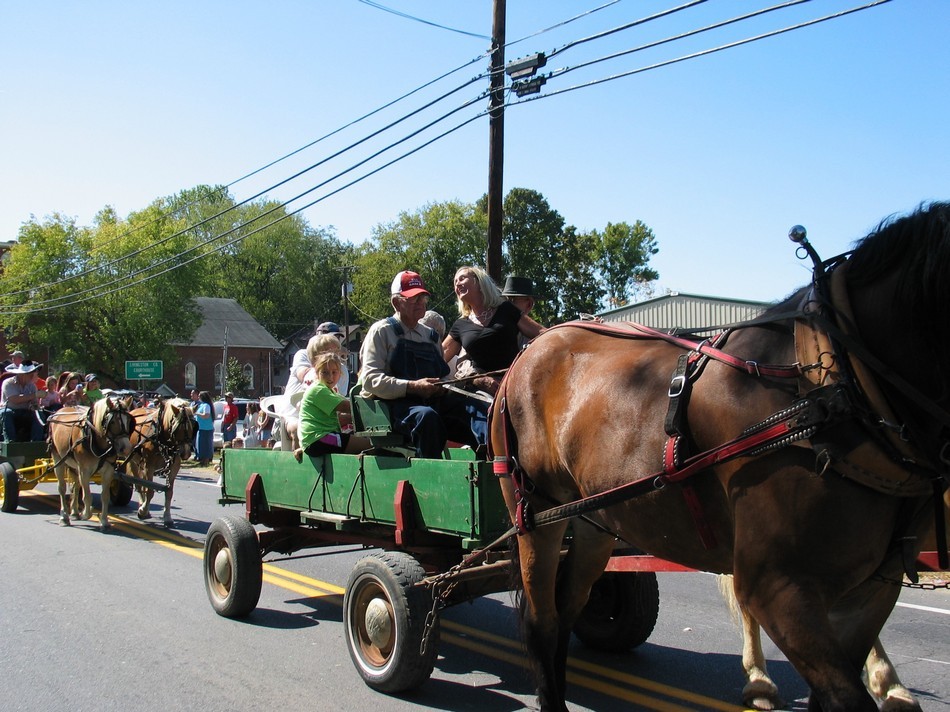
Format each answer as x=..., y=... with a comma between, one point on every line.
x=728, y=592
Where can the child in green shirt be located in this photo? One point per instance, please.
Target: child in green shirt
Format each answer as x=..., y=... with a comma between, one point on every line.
x=325, y=415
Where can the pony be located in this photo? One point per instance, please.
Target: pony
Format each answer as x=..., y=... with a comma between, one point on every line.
x=807, y=481
x=84, y=441
x=761, y=693
x=163, y=436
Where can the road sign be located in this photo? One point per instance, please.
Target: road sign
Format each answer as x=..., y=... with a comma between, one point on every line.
x=143, y=370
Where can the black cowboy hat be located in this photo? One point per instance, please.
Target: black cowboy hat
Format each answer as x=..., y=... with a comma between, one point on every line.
x=518, y=287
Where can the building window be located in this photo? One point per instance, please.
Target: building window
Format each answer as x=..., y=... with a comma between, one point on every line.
x=218, y=378
x=249, y=375
x=191, y=376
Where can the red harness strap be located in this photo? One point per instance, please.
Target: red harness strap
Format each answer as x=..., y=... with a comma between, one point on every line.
x=781, y=432
x=751, y=367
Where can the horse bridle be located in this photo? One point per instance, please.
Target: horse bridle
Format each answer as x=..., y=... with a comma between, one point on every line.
x=844, y=335
x=168, y=447
x=89, y=434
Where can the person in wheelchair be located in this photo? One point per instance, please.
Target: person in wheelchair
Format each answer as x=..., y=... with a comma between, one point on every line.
x=18, y=402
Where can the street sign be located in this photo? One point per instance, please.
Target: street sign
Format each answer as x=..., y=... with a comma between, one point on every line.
x=143, y=370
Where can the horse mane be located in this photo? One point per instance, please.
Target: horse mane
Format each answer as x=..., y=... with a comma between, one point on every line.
x=168, y=411
x=97, y=413
x=915, y=248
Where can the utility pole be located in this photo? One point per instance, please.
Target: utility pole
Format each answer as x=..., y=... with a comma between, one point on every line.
x=224, y=362
x=496, y=145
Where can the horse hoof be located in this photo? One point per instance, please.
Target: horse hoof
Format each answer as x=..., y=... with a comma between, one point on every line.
x=761, y=695
x=763, y=703
x=63, y=522
x=897, y=702
x=143, y=515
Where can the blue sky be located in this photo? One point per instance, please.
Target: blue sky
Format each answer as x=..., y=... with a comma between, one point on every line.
x=833, y=126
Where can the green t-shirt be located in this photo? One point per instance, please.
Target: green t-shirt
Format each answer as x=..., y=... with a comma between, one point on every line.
x=94, y=395
x=318, y=415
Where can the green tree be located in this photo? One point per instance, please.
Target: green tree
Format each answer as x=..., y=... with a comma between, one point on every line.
x=235, y=380
x=94, y=297
x=434, y=241
x=625, y=251
x=582, y=289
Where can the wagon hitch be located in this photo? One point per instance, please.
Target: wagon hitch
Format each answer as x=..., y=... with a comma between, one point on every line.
x=132, y=480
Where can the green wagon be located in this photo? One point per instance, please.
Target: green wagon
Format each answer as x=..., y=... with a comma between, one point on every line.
x=424, y=516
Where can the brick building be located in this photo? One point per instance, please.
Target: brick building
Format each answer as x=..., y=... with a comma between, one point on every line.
x=225, y=327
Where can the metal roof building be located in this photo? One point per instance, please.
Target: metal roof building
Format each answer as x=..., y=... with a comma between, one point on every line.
x=686, y=311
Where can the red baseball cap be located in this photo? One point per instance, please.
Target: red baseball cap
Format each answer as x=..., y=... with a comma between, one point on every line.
x=408, y=284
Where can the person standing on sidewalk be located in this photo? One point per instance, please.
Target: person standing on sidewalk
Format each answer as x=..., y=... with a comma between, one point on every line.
x=204, y=443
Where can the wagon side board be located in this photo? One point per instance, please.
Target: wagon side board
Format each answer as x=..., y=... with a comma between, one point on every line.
x=457, y=497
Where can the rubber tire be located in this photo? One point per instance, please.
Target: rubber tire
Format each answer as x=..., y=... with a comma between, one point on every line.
x=120, y=493
x=621, y=611
x=388, y=578
x=10, y=494
x=232, y=567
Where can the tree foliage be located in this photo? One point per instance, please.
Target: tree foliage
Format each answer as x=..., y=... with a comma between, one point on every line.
x=433, y=241
x=88, y=309
x=624, y=254
x=89, y=298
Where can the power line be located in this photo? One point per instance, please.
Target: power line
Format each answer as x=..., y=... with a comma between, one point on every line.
x=628, y=26
x=701, y=53
x=419, y=19
x=226, y=187
x=97, y=290
x=205, y=221
x=673, y=38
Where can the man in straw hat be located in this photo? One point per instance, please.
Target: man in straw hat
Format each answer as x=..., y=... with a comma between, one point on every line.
x=18, y=401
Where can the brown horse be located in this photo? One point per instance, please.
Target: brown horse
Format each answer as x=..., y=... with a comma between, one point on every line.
x=761, y=693
x=800, y=480
x=162, y=438
x=85, y=441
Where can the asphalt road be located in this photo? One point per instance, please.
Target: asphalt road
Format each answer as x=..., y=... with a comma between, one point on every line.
x=120, y=621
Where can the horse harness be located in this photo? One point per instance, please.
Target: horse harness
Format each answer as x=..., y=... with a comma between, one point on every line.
x=163, y=441
x=840, y=413
x=98, y=446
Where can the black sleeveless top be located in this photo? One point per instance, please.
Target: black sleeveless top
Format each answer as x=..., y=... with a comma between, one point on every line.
x=494, y=346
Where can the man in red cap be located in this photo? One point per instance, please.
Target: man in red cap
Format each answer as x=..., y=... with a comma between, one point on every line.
x=403, y=363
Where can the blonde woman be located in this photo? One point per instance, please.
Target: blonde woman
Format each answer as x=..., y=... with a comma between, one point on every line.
x=488, y=329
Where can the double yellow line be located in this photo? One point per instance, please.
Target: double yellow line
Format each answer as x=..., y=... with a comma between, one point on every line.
x=635, y=690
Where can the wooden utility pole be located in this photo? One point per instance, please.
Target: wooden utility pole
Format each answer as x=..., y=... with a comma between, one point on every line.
x=496, y=146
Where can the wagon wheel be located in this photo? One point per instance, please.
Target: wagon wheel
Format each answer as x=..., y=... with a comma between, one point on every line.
x=9, y=488
x=384, y=620
x=120, y=493
x=621, y=611
x=232, y=565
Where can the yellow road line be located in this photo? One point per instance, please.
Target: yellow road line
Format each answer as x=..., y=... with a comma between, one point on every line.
x=617, y=683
